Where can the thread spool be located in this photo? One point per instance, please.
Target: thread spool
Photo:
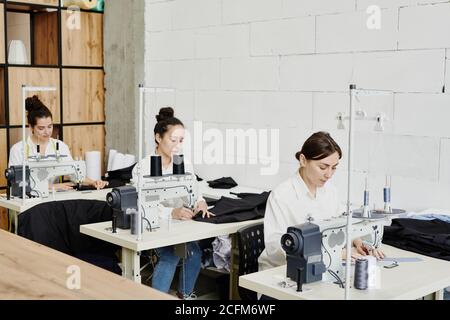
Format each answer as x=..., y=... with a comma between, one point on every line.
x=155, y=166
x=178, y=164
x=134, y=223
x=361, y=278
x=387, y=195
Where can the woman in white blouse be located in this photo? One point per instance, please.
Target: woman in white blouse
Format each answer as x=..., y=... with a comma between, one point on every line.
x=41, y=143
x=169, y=135
x=307, y=196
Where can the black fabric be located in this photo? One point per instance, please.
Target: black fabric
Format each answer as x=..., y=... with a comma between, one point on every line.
x=430, y=238
x=222, y=183
x=251, y=207
x=57, y=225
x=121, y=177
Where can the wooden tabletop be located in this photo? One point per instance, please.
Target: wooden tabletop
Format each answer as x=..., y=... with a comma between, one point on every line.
x=32, y=271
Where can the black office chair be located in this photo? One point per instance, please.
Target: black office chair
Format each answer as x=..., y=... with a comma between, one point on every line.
x=250, y=245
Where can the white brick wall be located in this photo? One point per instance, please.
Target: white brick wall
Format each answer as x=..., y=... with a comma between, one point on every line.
x=290, y=36
x=348, y=32
x=196, y=13
x=317, y=7
x=250, y=74
x=243, y=11
x=287, y=65
x=425, y=27
x=159, y=16
x=223, y=42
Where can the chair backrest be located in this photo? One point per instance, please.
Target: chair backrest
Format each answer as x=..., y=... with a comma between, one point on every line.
x=250, y=245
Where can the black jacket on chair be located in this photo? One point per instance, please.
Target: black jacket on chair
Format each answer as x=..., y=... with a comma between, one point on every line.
x=57, y=225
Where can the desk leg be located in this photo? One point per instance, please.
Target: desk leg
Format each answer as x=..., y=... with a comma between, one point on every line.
x=439, y=295
x=131, y=265
x=234, y=277
x=13, y=215
x=16, y=221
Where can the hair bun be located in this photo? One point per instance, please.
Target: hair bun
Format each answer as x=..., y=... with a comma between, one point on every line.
x=164, y=114
x=33, y=103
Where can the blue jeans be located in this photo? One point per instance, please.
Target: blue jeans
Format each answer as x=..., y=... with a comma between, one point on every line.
x=166, y=267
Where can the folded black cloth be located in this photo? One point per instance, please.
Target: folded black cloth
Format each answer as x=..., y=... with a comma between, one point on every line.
x=222, y=183
x=250, y=207
x=121, y=177
x=430, y=238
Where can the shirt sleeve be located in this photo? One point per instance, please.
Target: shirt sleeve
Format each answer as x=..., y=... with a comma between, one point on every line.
x=65, y=151
x=275, y=225
x=15, y=156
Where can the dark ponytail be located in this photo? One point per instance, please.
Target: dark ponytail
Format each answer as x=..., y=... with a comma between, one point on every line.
x=36, y=110
x=319, y=146
x=165, y=119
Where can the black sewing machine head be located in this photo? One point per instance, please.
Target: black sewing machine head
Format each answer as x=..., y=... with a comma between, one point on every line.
x=14, y=177
x=302, y=244
x=120, y=199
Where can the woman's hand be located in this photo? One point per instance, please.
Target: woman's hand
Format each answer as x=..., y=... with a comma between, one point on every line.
x=202, y=207
x=62, y=186
x=182, y=214
x=363, y=250
x=99, y=184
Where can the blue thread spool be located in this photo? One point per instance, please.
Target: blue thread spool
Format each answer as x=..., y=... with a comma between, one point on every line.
x=361, y=279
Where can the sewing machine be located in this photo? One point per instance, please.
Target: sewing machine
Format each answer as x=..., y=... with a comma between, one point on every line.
x=124, y=200
x=41, y=173
x=314, y=250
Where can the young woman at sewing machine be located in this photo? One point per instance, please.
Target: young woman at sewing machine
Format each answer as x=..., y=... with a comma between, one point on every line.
x=169, y=135
x=307, y=196
x=41, y=144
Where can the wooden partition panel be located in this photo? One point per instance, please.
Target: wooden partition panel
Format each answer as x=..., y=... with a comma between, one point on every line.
x=82, y=39
x=15, y=134
x=41, y=77
x=82, y=139
x=3, y=157
x=2, y=34
x=3, y=219
x=46, y=38
x=83, y=95
x=42, y=2
x=2, y=98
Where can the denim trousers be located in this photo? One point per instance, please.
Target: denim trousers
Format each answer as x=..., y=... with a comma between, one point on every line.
x=167, y=264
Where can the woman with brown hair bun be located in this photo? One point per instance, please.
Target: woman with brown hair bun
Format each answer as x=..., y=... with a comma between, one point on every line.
x=40, y=121
x=169, y=137
x=307, y=196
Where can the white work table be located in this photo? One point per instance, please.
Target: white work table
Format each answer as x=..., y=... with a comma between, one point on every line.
x=178, y=232
x=410, y=280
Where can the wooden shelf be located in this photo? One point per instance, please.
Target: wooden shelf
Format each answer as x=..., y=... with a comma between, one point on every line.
x=42, y=45
x=46, y=38
x=3, y=157
x=83, y=46
x=31, y=5
x=33, y=77
x=84, y=96
x=2, y=97
x=15, y=134
x=76, y=138
x=2, y=34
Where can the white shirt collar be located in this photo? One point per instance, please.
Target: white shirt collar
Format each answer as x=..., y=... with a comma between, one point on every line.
x=301, y=189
